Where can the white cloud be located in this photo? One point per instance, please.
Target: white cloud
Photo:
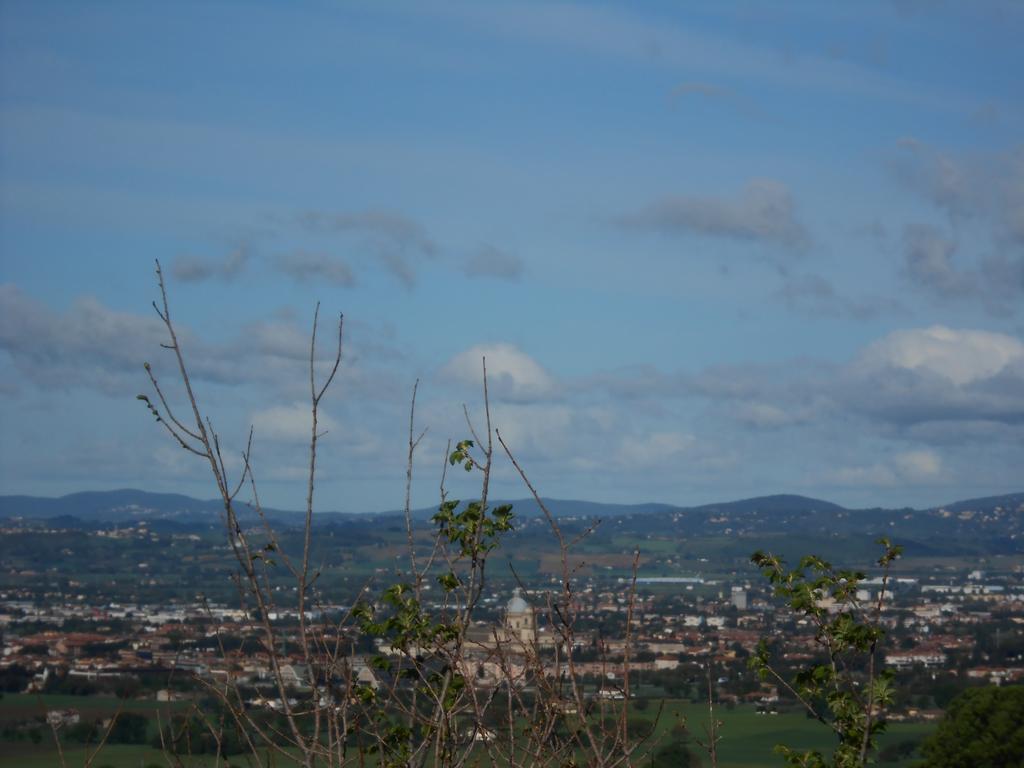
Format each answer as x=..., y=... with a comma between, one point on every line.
x=193, y=269
x=289, y=423
x=764, y=211
x=961, y=356
x=91, y=346
x=394, y=240
x=918, y=465
x=904, y=380
x=538, y=430
x=511, y=373
x=88, y=345
x=983, y=191
x=916, y=376
x=764, y=415
x=654, y=449
x=928, y=263
x=309, y=267
x=815, y=295
x=873, y=475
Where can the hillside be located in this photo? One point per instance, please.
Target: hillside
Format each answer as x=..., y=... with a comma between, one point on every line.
x=992, y=524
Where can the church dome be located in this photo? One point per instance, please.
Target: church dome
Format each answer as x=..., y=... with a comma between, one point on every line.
x=517, y=604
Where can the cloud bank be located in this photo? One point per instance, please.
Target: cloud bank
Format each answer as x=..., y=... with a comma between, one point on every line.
x=763, y=212
x=193, y=269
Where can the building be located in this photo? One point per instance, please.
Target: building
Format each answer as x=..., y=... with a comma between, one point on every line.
x=739, y=598
x=520, y=621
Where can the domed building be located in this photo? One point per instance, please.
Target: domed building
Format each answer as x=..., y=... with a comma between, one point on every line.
x=503, y=651
x=520, y=620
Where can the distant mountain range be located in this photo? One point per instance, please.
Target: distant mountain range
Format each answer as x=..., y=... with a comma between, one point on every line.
x=109, y=506
x=975, y=528
x=129, y=504
x=126, y=505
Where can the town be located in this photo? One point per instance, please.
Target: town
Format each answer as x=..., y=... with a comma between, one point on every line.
x=946, y=629
x=134, y=626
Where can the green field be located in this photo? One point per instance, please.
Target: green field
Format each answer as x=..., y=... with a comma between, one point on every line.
x=747, y=738
x=20, y=705
x=45, y=756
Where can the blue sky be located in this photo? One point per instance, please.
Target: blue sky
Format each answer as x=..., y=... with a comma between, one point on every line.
x=709, y=251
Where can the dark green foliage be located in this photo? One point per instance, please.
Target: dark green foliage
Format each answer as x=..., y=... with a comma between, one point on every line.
x=844, y=690
x=83, y=732
x=675, y=754
x=129, y=728
x=983, y=728
x=14, y=678
x=899, y=751
x=638, y=728
x=431, y=641
x=71, y=685
x=191, y=735
x=475, y=529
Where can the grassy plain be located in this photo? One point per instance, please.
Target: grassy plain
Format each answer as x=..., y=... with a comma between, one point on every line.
x=747, y=738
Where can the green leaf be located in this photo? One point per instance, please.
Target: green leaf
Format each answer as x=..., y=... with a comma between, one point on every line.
x=449, y=581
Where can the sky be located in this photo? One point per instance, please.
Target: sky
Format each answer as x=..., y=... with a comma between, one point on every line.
x=708, y=250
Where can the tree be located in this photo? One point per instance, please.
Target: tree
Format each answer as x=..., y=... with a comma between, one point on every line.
x=129, y=728
x=675, y=754
x=425, y=705
x=845, y=690
x=982, y=728
x=426, y=708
